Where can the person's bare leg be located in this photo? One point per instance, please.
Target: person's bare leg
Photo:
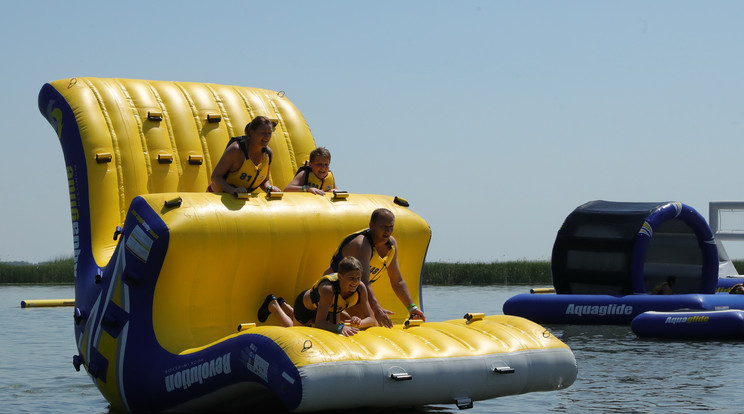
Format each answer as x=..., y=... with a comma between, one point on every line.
x=288, y=309
x=276, y=309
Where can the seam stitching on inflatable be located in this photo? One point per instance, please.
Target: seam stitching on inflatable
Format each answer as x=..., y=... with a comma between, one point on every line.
x=115, y=147
x=194, y=113
x=169, y=129
x=246, y=103
x=225, y=118
x=140, y=131
x=287, y=139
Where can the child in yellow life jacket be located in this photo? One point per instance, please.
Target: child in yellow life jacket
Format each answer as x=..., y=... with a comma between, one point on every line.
x=314, y=177
x=324, y=305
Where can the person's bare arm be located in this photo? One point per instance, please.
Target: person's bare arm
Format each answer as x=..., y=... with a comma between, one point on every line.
x=321, y=315
x=296, y=185
x=400, y=287
x=362, y=309
x=363, y=251
x=266, y=184
x=231, y=160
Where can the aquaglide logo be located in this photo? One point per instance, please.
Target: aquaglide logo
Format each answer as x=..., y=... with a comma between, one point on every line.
x=603, y=310
x=686, y=319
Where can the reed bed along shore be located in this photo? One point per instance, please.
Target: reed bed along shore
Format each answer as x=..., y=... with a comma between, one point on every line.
x=523, y=272
x=495, y=273
x=56, y=272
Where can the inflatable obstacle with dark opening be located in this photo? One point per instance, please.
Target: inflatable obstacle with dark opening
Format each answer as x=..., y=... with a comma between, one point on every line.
x=621, y=248
x=609, y=257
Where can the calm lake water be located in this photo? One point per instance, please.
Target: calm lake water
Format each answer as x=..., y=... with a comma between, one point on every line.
x=618, y=373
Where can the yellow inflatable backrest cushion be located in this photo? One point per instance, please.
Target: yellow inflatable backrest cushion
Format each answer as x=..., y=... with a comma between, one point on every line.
x=146, y=137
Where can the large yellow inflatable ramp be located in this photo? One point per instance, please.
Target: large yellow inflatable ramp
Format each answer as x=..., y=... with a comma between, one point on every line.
x=165, y=272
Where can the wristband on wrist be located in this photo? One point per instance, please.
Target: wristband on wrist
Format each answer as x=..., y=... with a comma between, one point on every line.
x=304, y=188
x=339, y=328
x=412, y=307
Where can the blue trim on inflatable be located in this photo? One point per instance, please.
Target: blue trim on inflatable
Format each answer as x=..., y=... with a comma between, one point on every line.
x=706, y=242
x=607, y=309
x=720, y=324
x=58, y=113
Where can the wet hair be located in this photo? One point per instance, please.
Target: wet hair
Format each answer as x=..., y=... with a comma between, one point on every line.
x=257, y=122
x=380, y=212
x=734, y=288
x=348, y=264
x=320, y=152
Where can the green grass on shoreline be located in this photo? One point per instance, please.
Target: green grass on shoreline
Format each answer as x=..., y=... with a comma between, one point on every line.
x=524, y=272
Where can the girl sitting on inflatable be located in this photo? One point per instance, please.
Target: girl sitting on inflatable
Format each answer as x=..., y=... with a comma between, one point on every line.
x=324, y=305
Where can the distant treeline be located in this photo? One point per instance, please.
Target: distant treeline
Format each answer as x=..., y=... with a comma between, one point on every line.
x=524, y=272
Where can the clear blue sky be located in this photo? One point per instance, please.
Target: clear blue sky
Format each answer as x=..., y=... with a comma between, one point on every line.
x=495, y=119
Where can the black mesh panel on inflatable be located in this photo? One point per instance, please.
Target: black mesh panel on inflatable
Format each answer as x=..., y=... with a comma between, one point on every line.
x=621, y=248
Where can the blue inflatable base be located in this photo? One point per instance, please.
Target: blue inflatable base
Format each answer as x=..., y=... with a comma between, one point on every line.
x=713, y=325
x=576, y=309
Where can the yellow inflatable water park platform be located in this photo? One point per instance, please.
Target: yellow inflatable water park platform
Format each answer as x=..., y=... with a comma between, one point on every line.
x=166, y=273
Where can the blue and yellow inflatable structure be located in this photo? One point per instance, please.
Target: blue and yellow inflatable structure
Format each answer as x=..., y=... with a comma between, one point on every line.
x=166, y=273
x=608, y=258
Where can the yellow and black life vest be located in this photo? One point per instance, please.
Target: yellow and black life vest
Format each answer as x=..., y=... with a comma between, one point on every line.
x=249, y=175
x=326, y=184
x=377, y=265
x=339, y=303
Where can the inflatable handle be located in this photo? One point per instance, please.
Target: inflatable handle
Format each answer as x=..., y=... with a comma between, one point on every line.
x=413, y=322
x=165, y=158
x=274, y=195
x=472, y=317
x=401, y=201
x=176, y=202
x=246, y=326
x=154, y=116
x=78, y=315
x=464, y=403
x=337, y=195
x=504, y=370
x=77, y=361
x=401, y=376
